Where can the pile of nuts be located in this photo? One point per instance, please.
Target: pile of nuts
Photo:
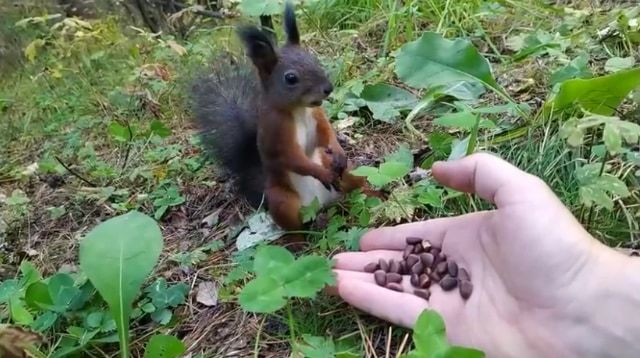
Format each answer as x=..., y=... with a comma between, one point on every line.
x=426, y=265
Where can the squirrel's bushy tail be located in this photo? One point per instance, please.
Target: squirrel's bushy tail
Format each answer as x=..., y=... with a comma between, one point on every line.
x=225, y=99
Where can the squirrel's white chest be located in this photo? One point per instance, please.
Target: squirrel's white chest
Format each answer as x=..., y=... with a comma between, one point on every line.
x=309, y=187
x=306, y=130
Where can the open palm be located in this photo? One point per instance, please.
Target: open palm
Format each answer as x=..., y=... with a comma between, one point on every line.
x=530, y=263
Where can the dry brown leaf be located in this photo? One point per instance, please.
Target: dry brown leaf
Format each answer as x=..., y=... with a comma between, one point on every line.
x=15, y=340
x=207, y=293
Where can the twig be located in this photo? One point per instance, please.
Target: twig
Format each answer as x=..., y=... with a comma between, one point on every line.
x=74, y=173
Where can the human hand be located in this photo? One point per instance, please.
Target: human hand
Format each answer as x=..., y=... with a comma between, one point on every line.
x=532, y=265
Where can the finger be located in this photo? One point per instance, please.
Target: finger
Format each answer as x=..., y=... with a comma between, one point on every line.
x=488, y=176
x=394, y=237
x=356, y=261
x=368, y=277
x=396, y=307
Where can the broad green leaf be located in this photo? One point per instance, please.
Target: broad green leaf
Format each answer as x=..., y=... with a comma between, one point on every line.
x=577, y=68
x=386, y=101
x=433, y=60
x=462, y=120
x=379, y=180
x=44, y=321
x=612, y=138
x=119, y=132
x=364, y=171
x=599, y=95
x=459, y=148
x=465, y=91
x=402, y=154
x=394, y=170
x=316, y=347
x=591, y=194
x=613, y=185
x=62, y=291
x=163, y=296
x=308, y=275
x=164, y=346
x=429, y=337
x=272, y=260
x=8, y=289
x=19, y=314
x=616, y=64
x=259, y=7
x=431, y=196
x=262, y=295
x=37, y=296
x=162, y=316
x=117, y=256
x=30, y=273
x=158, y=128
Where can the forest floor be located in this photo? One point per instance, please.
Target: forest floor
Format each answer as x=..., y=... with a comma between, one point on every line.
x=96, y=122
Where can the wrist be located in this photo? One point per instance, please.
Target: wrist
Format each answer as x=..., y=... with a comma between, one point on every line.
x=607, y=316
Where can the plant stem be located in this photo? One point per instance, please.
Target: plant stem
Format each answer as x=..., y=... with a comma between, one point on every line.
x=292, y=328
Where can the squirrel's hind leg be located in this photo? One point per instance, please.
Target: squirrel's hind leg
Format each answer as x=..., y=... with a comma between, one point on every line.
x=284, y=207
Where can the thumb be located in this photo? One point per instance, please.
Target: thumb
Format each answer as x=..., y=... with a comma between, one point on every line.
x=488, y=176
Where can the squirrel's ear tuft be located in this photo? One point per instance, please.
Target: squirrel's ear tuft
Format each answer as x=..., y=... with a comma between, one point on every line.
x=259, y=48
x=290, y=26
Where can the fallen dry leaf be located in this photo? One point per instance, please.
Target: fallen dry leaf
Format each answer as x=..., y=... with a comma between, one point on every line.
x=207, y=293
x=14, y=341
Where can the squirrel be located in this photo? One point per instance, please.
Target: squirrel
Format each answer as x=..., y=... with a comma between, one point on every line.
x=265, y=124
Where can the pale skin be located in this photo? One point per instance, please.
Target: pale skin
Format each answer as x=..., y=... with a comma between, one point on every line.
x=543, y=286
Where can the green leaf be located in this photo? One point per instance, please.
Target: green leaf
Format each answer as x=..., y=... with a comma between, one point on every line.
x=386, y=101
x=429, y=337
x=162, y=316
x=613, y=185
x=310, y=212
x=612, y=138
x=30, y=273
x=62, y=291
x=259, y=7
x=44, y=321
x=402, y=154
x=462, y=120
x=308, y=275
x=599, y=95
x=616, y=64
x=272, y=260
x=577, y=68
x=163, y=296
x=262, y=295
x=37, y=296
x=364, y=171
x=316, y=347
x=119, y=132
x=591, y=194
x=117, y=256
x=164, y=346
x=158, y=128
x=394, y=170
x=379, y=180
x=8, y=289
x=19, y=313
x=432, y=60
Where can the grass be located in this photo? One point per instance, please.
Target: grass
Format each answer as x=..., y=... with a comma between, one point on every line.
x=111, y=106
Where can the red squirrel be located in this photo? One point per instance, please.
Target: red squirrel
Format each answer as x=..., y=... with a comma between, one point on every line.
x=268, y=127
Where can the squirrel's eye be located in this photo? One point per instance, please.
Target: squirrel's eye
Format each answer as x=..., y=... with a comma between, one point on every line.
x=291, y=78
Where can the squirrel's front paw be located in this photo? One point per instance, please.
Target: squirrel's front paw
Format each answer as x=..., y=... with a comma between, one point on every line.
x=338, y=161
x=330, y=179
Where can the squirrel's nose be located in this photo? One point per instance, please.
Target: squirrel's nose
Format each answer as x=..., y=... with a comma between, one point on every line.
x=328, y=89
